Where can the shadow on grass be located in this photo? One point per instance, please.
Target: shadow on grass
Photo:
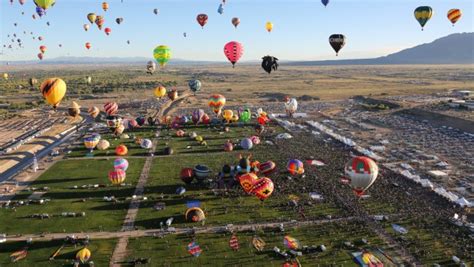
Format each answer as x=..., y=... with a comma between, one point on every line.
x=56, y=181
x=79, y=194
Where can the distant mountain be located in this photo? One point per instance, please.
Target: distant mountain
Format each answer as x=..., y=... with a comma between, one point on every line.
x=103, y=60
x=457, y=48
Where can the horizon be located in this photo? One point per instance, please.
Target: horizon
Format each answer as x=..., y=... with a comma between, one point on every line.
x=306, y=43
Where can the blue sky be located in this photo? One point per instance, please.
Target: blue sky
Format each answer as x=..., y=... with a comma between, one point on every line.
x=301, y=27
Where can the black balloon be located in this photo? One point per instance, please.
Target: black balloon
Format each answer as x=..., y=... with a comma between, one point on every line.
x=269, y=63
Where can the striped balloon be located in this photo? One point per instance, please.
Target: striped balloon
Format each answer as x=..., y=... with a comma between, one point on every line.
x=117, y=176
x=233, y=51
x=454, y=15
x=94, y=112
x=423, y=14
x=121, y=163
x=216, y=102
x=111, y=108
x=162, y=54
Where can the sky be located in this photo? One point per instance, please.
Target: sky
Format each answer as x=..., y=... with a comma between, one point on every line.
x=301, y=28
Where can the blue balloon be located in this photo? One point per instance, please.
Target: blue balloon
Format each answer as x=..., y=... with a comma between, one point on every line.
x=194, y=85
x=220, y=10
x=325, y=2
x=40, y=11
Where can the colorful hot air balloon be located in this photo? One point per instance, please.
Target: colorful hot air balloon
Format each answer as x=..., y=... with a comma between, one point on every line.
x=162, y=54
x=269, y=26
x=99, y=21
x=121, y=163
x=86, y=27
x=454, y=15
x=107, y=30
x=194, y=85
x=325, y=2
x=247, y=181
x=83, y=255
x=93, y=112
x=194, y=214
x=103, y=144
x=233, y=51
x=227, y=115
x=194, y=249
x=90, y=142
x=337, y=42
x=245, y=115
x=40, y=56
x=291, y=243
x=53, y=91
x=216, y=102
x=423, y=14
x=105, y=6
x=160, y=91
x=91, y=17
x=202, y=19
x=263, y=188
x=295, y=166
x=43, y=48
x=197, y=116
x=117, y=176
x=362, y=172
x=88, y=45
x=110, y=108
x=45, y=4
x=40, y=11
x=150, y=67
x=267, y=168
x=235, y=22
x=121, y=150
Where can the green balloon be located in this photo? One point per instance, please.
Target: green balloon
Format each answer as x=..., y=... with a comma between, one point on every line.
x=162, y=54
x=245, y=116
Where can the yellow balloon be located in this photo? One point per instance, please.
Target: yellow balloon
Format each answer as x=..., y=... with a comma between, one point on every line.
x=83, y=255
x=91, y=17
x=269, y=26
x=160, y=91
x=227, y=115
x=5, y=76
x=53, y=91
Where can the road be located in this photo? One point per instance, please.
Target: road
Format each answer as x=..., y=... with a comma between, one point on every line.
x=178, y=231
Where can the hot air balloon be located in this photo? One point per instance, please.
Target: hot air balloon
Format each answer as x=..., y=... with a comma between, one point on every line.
x=269, y=63
x=267, y=168
x=121, y=163
x=121, y=150
x=325, y=2
x=227, y=115
x=22, y=2
x=90, y=142
x=128, y=41
x=88, y=45
x=262, y=188
x=146, y=144
x=228, y=146
x=291, y=243
x=86, y=27
x=194, y=249
x=245, y=115
x=295, y=166
x=40, y=38
x=117, y=176
x=83, y=255
x=41, y=12
x=5, y=76
x=156, y=11
x=194, y=85
x=220, y=9
x=93, y=112
x=291, y=105
x=202, y=19
x=160, y=91
x=247, y=181
x=233, y=51
x=269, y=26
x=246, y=143
x=110, y=108
x=173, y=94
x=454, y=15
x=91, y=17
x=235, y=22
x=162, y=54
x=88, y=79
x=74, y=110
x=40, y=56
x=197, y=116
x=216, y=102
x=33, y=81
x=107, y=30
x=99, y=21
x=105, y=6
x=362, y=172
x=194, y=214
x=423, y=14
x=53, y=91
x=187, y=175
x=103, y=144
x=119, y=20
x=45, y=4
x=337, y=42
x=43, y=49
x=150, y=67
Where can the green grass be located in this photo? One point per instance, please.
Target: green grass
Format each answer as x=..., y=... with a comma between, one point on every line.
x=171, y=250
x=39, y=252
x=100, y=215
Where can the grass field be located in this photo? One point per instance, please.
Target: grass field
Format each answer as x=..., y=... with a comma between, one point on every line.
x=100, y=215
